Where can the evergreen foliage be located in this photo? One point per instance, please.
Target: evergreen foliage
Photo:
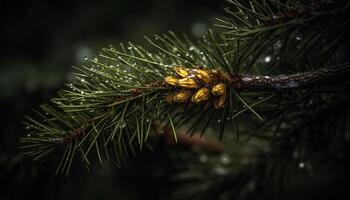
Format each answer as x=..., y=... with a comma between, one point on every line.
x=118, y=99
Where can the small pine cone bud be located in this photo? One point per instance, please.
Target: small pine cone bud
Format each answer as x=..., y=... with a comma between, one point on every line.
x=181, y=71
x=188, y=83
x=183, y=82
x=220, y=101
x=171, y=80
x=182, y=96
x=201, y=95
x=218, y=89
x=203, y=76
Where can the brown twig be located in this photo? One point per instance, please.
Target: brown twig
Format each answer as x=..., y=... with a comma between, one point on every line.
x=321, y=77
x=195, y=141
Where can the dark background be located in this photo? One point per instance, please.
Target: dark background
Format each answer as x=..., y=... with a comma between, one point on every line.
x=39, y=42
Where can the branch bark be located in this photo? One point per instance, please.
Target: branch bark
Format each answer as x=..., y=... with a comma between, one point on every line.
x=336, y=74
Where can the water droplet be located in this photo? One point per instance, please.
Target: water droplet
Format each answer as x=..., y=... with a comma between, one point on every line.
x=267, y=59
x=278, y=44
x=203, y=158
x=198, y=29
x=220, y=170
x=122, y=124
x=246, y=79
x=225, y=159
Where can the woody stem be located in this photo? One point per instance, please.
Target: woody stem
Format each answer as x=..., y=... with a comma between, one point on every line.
x=337, y=74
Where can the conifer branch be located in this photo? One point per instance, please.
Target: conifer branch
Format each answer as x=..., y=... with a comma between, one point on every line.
x=107, y=113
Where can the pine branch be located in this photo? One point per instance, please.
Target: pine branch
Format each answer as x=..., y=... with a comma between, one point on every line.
x=107, y=113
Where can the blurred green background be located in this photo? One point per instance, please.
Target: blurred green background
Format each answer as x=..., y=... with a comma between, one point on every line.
x=40, y=41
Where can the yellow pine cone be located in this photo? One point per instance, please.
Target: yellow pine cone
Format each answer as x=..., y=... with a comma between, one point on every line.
x=218, y=89
x=171, y=80
x=182, y=96
x=188, y=83
x=203, y=75
x=220, y=101
x=201, y=95
x=183, y=82
x=181, y=71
